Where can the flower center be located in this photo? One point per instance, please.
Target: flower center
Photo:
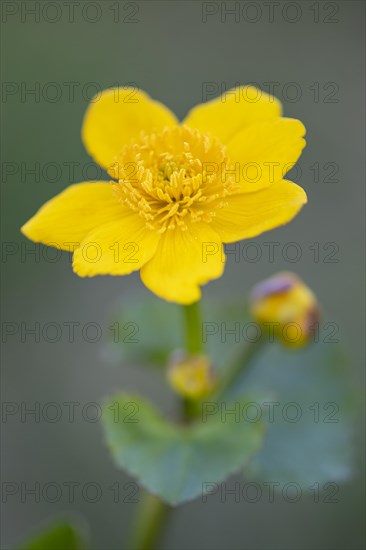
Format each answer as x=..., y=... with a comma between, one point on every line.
x=174, y=177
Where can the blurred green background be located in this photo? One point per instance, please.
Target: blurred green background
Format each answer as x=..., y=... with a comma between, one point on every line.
x=314, y=53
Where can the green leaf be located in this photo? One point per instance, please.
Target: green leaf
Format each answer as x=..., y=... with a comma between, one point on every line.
x=310, y=432
x=60, y=537
x=175, y=461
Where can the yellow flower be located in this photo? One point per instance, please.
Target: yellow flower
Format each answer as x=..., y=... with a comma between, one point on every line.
x=179, y=191
x=191, y=376
x=286, y=307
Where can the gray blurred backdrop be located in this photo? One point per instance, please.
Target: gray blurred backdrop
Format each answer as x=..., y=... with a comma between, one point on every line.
x=313, y=53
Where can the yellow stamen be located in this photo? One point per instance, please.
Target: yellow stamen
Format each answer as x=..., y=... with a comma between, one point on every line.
x=174, y=177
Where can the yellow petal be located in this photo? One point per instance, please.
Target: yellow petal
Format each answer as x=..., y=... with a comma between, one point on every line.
x=116, y=248
x=68, y=217
x=183, y=261
x=263, y=153
x=118, y=115
x=232, y=111
x=250, y=214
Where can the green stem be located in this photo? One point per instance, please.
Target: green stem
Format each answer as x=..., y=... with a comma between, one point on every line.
x=239, y=364
x=153, y=512
x=151, y=519
x=193, y=334
x=193, y=328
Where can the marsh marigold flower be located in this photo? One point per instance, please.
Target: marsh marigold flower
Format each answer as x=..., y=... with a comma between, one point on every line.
x=285, y=305
x=217, y=177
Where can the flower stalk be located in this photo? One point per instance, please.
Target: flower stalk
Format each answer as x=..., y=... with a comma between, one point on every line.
x=193, y=328
x=154, y=512
x=239, y=364
x=151, y=519
x=193, y=344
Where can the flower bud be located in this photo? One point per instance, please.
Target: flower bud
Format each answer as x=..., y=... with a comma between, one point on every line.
x=191, y=375
x=285, y=305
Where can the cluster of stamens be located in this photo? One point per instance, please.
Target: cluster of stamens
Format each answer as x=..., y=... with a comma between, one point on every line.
x=174, y=177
